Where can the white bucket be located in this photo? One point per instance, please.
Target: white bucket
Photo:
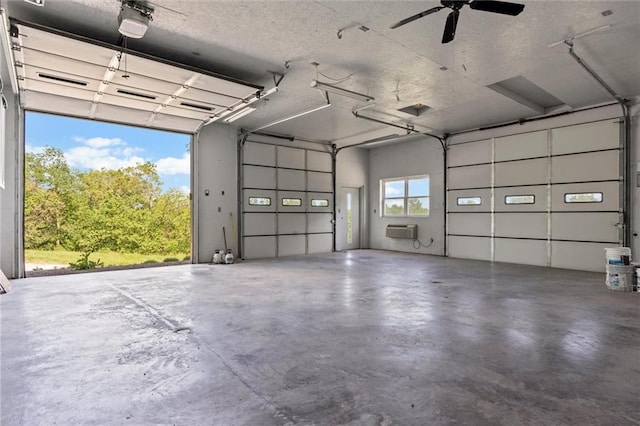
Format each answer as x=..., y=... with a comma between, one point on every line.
x=620, y=277
x=614, y=255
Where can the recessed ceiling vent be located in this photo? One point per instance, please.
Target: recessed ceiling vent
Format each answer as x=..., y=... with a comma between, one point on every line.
x=526, y=93
x=416, y=110
x=196, y=106
x=59, y=79
x=137, y=94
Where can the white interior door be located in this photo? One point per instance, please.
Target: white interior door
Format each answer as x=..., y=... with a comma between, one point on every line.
x=349, y=218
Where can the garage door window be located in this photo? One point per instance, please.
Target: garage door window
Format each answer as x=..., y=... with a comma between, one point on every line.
x=259, y=201
x=520, y=199
x=291, y=202
x=469, y=201
x=407, y=196
x=584, y=197
x=320, y=203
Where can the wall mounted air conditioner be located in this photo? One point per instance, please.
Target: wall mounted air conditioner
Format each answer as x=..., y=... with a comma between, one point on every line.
x=402, y=231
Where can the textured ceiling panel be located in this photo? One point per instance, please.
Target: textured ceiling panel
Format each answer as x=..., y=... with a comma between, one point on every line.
x=399, y=67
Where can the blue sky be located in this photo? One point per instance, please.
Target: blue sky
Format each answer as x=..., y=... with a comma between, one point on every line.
x=91, y=145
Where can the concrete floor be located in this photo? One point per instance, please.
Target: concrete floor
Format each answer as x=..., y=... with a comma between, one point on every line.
x=358, y=338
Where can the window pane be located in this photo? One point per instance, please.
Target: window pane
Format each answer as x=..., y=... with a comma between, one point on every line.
x=469, y=201
x=291, y=202
x=418, y=206
x=394, y=188
x=259, y=201
x=319, y=203
x=393, y=207
x=584, y=197
x=520, y=199
x=419, y=187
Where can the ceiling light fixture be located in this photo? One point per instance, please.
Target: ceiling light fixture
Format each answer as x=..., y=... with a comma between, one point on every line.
x=291, y=117
x=134, y=19
x=242, y=104
x=580, y=35
x=239, y=114
x=340, y=91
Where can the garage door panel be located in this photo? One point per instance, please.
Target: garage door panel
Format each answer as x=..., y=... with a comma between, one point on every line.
x=320, y=222
x=294, y=223
x=470, y=247
x=582, y=256
x=526, y=145
x=470, y=177
x=586, y=137
x=321, y=182
x=319, y=161
x=250, y=194
x=470, y=153
x=259, y=247
x=585, y=226
x=524, y=172
x=259, y=177
x=526, y=252
x=610, y=193
x=521, y=225
x=539, y=194
x=291, y=157
x=462, y=196
x=259, y=223
x=291, y=179
x=289, y=245
x=259, y=153
x=470, y=224
x=320, y=243
x=586, y=167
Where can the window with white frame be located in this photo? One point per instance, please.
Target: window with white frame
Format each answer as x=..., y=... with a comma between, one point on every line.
x=406, y=196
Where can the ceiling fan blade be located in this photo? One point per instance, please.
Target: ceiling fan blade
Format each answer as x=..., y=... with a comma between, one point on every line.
x=450, y=26
x=418, y=16
x=503, y=7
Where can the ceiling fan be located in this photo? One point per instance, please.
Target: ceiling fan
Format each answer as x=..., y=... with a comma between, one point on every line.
x=502, y=7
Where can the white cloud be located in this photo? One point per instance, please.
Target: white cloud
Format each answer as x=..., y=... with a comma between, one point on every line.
x=185, y=189
x=86, y=157
x=99, y=142
x=34, y=149
x=174, y=166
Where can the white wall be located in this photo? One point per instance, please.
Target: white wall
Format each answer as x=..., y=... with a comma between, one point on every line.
x=10, y=244
x=352, y=168
x=418, y=157
x=216, y=171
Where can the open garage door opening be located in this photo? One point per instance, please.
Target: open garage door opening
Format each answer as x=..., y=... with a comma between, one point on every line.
x=104, y=195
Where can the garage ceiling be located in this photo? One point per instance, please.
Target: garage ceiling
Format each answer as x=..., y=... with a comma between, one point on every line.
x=400, y=68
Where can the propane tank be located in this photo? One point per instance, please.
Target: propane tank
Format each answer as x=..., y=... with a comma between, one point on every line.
x=229, y=258
x=218, y=256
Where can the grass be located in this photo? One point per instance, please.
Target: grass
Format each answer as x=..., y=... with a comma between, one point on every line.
x=63, y=257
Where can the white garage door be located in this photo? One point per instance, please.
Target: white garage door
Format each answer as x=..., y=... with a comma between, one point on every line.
x=287, y=201
x=551, y=197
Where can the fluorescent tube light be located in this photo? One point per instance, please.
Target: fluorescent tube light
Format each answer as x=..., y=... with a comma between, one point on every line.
x=291, y=117
x=340, y=91
x=239, y=114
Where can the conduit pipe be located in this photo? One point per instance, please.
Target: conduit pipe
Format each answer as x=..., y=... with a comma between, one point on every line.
x=410, y=130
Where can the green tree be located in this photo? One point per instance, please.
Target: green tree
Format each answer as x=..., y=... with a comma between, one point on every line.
x=50, y=198
x=416, y=208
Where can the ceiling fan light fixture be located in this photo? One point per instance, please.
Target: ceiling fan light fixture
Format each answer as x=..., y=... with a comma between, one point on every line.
x=133, y=23
x=340, y=91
